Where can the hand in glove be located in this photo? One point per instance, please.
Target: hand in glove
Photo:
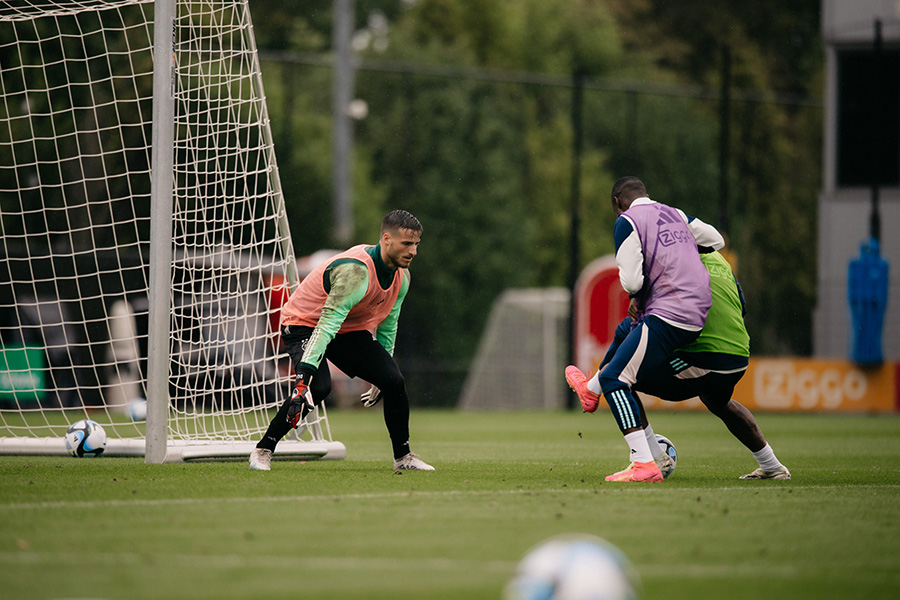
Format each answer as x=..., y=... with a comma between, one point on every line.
x=301, y=402
x=371, y=397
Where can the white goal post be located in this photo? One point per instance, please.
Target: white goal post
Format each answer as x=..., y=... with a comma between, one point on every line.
x=145, y=248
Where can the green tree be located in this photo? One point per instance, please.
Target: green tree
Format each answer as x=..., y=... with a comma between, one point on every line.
x=444, y=152
x=486, y=162
x=775, y=156
x=485, y=165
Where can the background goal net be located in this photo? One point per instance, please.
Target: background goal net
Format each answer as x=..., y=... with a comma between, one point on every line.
x=522, y=354
x=119, y=282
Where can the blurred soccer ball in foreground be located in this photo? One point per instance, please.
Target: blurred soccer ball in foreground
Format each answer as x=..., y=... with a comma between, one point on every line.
x=574, y=567
x=85, y=438
x=668, y=448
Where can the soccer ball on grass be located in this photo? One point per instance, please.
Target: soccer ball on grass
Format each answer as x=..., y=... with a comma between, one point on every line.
x=574, y=567
x=85, y=438
x=669, y=448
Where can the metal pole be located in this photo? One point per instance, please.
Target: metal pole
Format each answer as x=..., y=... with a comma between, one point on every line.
x=724, y=138
x=877, y=116
x=575, y=183
x=342, y=92
x=162, y=157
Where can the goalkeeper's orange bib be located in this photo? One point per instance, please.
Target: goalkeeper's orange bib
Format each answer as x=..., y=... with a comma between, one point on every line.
x=304, y=307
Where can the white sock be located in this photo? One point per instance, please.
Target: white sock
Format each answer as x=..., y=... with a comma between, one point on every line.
x=766, y=459
x=655, y=449
x=640, y=449
x=593, y=384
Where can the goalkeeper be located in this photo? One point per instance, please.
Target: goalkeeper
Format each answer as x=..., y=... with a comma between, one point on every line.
x=346, y=311
x=709, y=367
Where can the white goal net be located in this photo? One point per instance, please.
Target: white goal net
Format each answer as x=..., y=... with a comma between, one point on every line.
x=119, y=282
x=522, y=355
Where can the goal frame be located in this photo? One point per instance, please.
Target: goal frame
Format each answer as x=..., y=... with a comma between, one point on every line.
x=156, y=447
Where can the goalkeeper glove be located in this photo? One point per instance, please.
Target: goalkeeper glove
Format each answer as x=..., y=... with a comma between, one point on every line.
x=371, y=397
x=301, y=403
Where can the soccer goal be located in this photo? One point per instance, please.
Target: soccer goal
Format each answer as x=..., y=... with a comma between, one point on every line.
x=145, y=248
x=522, y=354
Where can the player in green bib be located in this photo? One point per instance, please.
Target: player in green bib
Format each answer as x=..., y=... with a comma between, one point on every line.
x=710, y=367
x=724, y=333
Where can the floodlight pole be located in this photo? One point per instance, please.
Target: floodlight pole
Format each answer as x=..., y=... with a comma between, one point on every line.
x=342, y=94
x=724, y=138
x=876, y=118
x=161, y=184
x=578, y=78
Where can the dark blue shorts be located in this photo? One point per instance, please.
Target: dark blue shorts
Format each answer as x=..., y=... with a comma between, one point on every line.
x=641, y=352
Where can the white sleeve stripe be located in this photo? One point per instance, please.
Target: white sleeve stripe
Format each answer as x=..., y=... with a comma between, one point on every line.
x=706, y=235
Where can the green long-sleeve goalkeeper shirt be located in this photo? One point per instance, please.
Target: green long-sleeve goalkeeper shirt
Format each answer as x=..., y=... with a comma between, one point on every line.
x=346, y=281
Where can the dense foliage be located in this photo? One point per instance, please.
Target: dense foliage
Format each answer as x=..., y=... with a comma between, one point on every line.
x=470, y=128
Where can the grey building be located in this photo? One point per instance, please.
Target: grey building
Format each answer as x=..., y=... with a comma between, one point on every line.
x=861, y=155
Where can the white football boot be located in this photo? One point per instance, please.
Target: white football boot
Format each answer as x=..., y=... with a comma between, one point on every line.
x=413, y=462
x=779, y=473
x=665, y=463
x=261, y=460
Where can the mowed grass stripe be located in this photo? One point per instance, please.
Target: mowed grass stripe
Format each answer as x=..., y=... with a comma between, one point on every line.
x=361, y=564
x=625, y=489
x=256, y=561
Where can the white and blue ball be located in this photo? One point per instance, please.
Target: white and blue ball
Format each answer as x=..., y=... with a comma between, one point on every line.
x=669, y=448
x=85, y=438
x=137, y=409
x=574, y=567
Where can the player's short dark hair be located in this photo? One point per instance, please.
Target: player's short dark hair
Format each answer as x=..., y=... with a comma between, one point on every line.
x=628, y=183
x=400, y=219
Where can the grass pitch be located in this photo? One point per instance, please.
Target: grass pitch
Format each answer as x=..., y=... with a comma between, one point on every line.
x=117, y=528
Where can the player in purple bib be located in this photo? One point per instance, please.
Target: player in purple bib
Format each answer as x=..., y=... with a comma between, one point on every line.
x=660, y=268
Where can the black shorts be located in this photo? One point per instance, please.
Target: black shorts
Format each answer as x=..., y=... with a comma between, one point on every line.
x=692, y=382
